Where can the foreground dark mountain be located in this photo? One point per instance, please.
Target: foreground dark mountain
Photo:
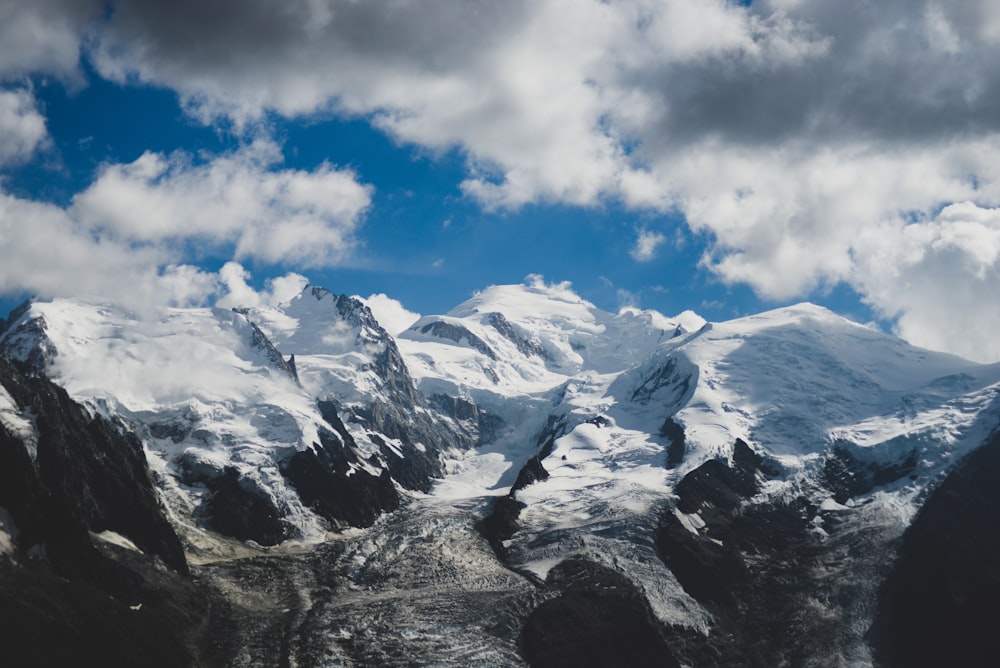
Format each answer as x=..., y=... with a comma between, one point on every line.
x=524, y=480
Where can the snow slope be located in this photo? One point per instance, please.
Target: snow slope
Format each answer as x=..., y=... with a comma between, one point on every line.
x=590, y=390
x=200, y=394
x=207, y=391
x=797, y=384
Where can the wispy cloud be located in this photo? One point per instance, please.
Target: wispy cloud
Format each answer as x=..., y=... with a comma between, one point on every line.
x=646, y=244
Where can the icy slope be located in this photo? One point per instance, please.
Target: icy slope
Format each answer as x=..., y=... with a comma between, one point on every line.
x=230, y=422
x=518, y=351
x=514, y=369
x=843, y=428
x=795, y=384
x=796, y=379
x=202, y=396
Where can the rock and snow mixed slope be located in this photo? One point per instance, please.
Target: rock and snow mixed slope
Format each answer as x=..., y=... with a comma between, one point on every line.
x=842, y=432
x=768, y=461
x=232, y=425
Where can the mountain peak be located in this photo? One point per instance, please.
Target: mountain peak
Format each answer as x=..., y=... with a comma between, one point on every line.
x=526, y=301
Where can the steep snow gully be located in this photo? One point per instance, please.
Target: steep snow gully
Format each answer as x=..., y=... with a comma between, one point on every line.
x=525, y=480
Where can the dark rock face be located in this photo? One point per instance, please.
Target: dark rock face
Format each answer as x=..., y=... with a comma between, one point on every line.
x=716, y=485
x=530, y=473
x=677, y=447
x=388, y=362
x=555, y=427
x=599, y=619
x=260, y=341
x=501, y=524
x=481, y=426
x=411, y=466
x=673, y=382
x=458, y=334
x=320, y=476
x=525, y=346
x=96, y=468
x=941, y=603
x=21, y=492
x=26, y=337
x=329, y=478
x=599, y=421
x=134, y=615
x=236, y=509
x=66, y=599
x=398, y=415
x=781, y=590
x=846, y=477
x=711, y=567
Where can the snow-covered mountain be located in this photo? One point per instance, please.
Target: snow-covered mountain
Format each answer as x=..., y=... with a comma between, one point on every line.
x=734, y=493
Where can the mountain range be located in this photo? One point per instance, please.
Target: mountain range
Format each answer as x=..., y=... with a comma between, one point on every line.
x=525, y=480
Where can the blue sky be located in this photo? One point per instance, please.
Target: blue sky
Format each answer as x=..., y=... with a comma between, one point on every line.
x=724, y=157
x=422, y=241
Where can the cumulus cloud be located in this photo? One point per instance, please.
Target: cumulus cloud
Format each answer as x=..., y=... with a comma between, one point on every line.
x=46, y=252
x=390, y=313
x=237, y=292
x=937, y=275
x=133, y=235
x=50, y=254
x=646, y=245
x=22, y=128
x=294, y=216
x=44, y=36
x=797, y=136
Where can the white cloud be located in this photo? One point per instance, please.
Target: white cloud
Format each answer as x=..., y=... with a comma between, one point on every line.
x=785, y=234
x=646, y=244
x=132, y=235
x=627, y=301
x=795, y=135
x=939, y=277
x=46, y=252
x=22, y=128
x=237, y=292
x=304, y=218
x=43, y=36
x=390, y=313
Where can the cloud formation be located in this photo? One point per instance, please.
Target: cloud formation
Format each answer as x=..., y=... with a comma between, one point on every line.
x=390, y=313
x=277, y=216
x=44, y=36
x=132, y=234
x=646, y=244
x=805, y=139
x=939, y=277
x=22, y=128
x=46, y=252
x=238, y=293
